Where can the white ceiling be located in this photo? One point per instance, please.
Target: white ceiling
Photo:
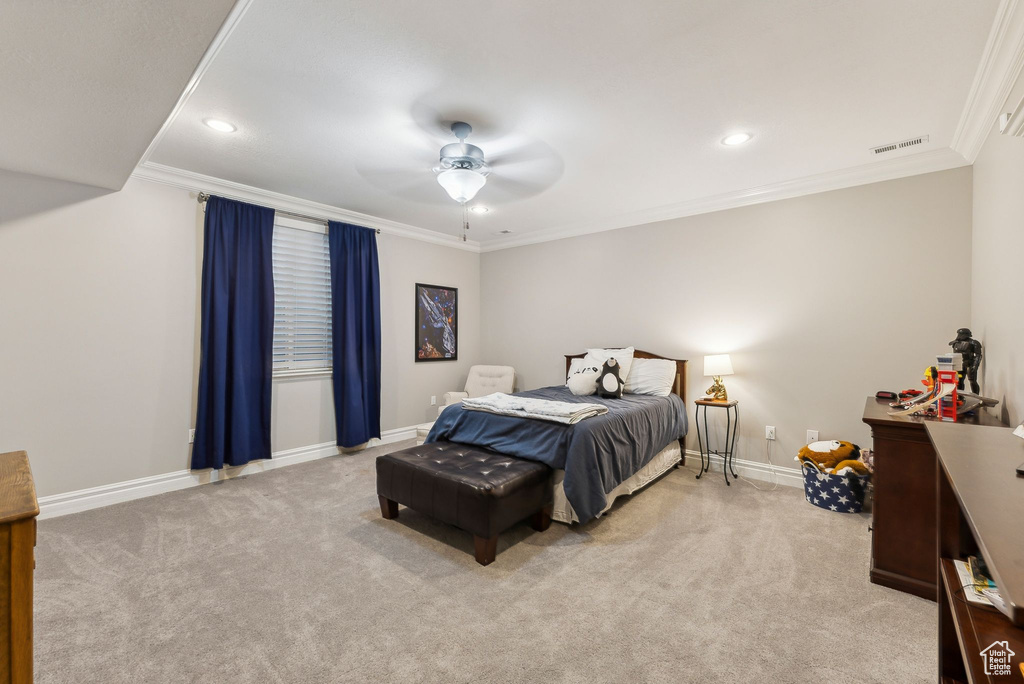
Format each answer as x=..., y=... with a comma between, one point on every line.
x=596, y=110
x=86, y=86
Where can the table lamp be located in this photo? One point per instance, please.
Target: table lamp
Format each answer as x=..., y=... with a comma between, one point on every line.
x=716, y=366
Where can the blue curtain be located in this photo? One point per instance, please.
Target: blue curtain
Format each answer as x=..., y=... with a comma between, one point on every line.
x=355, y=304
x=237, y=335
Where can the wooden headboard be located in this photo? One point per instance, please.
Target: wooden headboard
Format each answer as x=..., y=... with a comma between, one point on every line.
x=678, y=388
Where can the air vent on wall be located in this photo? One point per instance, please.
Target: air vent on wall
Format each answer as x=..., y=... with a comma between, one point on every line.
x=900, y=145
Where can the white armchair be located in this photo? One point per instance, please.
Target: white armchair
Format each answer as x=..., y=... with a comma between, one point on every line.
x=482, y=380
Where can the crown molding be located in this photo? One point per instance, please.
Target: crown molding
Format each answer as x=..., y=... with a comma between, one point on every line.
x=1001, y=64
x=889, y=169
x=197, y=182
x=231, y=22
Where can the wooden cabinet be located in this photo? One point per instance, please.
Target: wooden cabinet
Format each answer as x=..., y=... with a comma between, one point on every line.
x=18, y=511
x=903, y=541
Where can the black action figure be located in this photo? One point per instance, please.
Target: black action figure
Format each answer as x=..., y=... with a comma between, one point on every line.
x=970, y=349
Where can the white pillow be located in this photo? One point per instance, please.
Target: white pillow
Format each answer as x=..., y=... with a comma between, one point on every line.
x=597, y=357
x=651, y=376
x=582, y=380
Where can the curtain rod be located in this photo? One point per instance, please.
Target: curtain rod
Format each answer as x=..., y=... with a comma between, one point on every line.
x=203, y=196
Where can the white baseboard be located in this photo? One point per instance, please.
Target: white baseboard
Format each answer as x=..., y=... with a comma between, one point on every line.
x=118, y=492
x=395, y=435
x=754, y=470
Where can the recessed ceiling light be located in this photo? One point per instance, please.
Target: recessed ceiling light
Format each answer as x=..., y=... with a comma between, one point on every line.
x=479, y=209
x=218, y=125
x=736, y=138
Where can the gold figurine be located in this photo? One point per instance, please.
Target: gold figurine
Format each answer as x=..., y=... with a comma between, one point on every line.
x=717, y=390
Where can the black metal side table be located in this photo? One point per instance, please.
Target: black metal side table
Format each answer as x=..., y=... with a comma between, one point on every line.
x=731, y=429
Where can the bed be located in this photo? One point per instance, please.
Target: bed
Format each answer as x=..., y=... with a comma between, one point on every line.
x=594, y=461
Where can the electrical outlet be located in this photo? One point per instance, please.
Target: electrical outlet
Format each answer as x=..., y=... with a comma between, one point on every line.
x=433, y=400
x=769, y=432
x=812, y=436
x=192, y=436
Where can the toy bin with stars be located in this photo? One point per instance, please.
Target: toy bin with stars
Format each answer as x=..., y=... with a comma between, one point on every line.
x=837, y=493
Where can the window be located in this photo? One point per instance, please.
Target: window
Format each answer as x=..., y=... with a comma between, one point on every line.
x=302, y=299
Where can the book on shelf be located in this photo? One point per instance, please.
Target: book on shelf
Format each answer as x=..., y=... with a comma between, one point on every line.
x=979, y=574
x=971, y=589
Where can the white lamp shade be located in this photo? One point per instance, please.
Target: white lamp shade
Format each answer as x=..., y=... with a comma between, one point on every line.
x=461, y=184
x=717, y=364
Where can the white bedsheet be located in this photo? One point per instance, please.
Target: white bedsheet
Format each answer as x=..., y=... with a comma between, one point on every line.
x=663, y=461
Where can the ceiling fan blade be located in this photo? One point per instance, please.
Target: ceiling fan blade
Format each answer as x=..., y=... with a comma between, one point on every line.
x=529, y=152
x=522, y=168
x=415, y=185
x=502, y=189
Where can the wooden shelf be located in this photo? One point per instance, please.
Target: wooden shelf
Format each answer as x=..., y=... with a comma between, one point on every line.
x=980, y=503
x=981, y=464
x=977, y=627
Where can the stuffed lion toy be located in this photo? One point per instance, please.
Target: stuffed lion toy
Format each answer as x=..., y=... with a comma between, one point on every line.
x=835, y=457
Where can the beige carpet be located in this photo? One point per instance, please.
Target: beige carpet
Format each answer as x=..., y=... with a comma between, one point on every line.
x=292, y=576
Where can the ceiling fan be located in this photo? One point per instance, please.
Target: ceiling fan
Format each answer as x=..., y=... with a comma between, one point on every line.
x=463, y=170
x=517, y=166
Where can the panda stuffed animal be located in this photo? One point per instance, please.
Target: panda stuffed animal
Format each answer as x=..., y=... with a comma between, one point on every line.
x=609, y=384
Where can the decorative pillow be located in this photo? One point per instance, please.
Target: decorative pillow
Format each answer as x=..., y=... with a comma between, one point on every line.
x=651, y=376
x=574, y=367
x=582, y=378
x=597, y=357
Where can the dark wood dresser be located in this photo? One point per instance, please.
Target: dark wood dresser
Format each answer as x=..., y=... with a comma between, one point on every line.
x=18, y=511
x=980, y=505
x=903, y=527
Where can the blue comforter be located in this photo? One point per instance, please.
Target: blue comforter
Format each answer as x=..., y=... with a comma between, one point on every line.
x=597, y=453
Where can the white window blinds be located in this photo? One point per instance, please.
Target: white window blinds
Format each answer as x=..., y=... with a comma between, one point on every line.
x=302, y=301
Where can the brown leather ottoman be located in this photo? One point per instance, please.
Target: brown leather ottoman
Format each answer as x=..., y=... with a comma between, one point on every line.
x=474, y=489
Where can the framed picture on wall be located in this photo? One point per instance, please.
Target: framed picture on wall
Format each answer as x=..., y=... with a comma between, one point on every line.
x=437, y=323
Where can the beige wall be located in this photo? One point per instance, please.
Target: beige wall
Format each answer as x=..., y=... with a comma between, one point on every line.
x=997, y=276
x=407, y=385
x=820, y=300
x=811, y=296
x=98, y=307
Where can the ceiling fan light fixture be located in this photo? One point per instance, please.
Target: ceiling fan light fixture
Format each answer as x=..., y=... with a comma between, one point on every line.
x=461, y=184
